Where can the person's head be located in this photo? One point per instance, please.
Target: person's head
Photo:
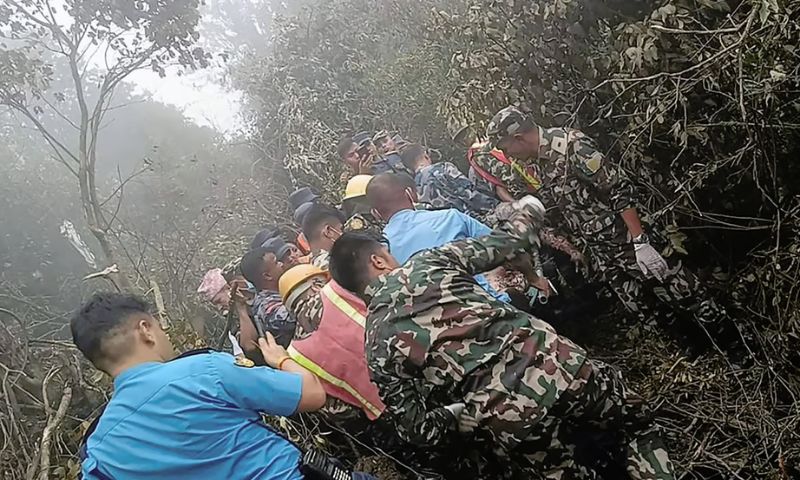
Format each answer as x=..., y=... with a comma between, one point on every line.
x=384, y=142
x=347, y=151
x=299, y=282
x=322, y=225
x=415, y=157
x=356, y=259
x=262, y=267
x=264, y=235
x=514, y=133
x=388, y=193
x=117, y=331
x=215, y=289
x=301, y=196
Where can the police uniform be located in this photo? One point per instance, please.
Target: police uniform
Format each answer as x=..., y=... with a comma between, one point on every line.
x=198, y=416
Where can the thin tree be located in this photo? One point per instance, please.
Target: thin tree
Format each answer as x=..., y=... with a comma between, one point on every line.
x=101, y=42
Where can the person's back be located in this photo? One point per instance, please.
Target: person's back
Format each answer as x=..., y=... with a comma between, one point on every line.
x=412, y=231
x=194, y=417
x=443, y=186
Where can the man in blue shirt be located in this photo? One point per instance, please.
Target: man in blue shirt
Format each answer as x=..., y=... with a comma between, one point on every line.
x=410, y=231
x=191, y=417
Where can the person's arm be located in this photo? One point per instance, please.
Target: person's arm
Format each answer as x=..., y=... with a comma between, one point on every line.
x=631, y=218
x=608, y=179
x=503, y=194
x=487, y=252
x=313, y=395
x=473, y=227
x=248, y=336
x=268, y=390
x=406, y=404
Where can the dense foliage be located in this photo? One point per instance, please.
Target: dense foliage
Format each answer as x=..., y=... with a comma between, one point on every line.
x=697, y=99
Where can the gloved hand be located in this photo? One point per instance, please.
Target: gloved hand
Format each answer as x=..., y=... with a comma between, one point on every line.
x=465, y=422
x=456, y=409
x=650, y=262
x=533, y=204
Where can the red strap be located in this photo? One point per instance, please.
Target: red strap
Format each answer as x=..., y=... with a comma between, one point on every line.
x=483, y=173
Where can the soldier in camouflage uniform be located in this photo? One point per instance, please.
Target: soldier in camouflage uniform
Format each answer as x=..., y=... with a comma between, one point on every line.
x=595, y=201
x=445, y=353
x=322, y=225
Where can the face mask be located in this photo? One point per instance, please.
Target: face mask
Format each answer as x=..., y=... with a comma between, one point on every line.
x=336, y=233
x=410, y=196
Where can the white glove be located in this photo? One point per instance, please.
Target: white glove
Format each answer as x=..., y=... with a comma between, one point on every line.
x=466, y=423
x=531, y=202
x=650, y=262
x=456, y=409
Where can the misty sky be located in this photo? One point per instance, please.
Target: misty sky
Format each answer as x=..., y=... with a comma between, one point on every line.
x=199, y=97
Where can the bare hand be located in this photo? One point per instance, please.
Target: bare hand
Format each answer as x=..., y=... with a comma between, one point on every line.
x=543, y=285
x=272, y=352
x=238, y=285
x=366, y=163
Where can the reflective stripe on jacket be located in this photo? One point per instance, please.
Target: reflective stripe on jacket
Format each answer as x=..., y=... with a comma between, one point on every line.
x=335, y=351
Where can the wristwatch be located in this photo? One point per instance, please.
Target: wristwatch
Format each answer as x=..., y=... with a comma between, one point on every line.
x=640, y=239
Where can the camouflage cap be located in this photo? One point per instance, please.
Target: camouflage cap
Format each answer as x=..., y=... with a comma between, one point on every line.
x=508, y=121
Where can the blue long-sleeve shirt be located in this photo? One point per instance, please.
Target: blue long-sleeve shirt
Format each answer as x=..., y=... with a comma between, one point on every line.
x=411, y=231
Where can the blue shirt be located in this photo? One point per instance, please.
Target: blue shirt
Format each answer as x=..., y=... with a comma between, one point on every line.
x=195, y=417
x=411, y=231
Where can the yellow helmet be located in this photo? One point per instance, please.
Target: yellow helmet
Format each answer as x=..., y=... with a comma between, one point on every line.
x=357, y=186
x=294, y=282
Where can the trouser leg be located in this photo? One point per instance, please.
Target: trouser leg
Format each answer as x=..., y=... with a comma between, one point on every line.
x=604, y=402
x=549, y=453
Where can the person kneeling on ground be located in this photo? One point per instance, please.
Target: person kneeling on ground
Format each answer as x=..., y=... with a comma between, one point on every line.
x=195, y=416
x=445, y=353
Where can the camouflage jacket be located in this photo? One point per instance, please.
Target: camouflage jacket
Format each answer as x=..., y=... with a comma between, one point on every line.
x=435, y=338
x=506, y=175
x=319, y=258
x=442, y=185
x=585, y=192
x=269, y=312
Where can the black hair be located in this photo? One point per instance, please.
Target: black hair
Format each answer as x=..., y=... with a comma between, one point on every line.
x=252, y=265
x=344, y=146
x=410, y=155
x=318, y=216
x=348, y=260
x=100, y=319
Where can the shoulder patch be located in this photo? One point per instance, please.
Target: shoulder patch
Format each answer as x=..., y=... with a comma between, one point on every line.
x=593, y=164
x=242, y=361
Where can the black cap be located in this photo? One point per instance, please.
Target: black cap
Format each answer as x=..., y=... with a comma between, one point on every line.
x=301, y=196
x=301, y=212
x=277, y=246
x=270, y=231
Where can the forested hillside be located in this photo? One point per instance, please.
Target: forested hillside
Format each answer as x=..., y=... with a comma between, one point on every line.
x=696, y=99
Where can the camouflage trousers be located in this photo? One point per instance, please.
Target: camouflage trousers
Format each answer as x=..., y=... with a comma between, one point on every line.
x=681, y=296
x=608, y=418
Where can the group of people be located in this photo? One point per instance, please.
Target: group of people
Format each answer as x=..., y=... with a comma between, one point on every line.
x=405, y=309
